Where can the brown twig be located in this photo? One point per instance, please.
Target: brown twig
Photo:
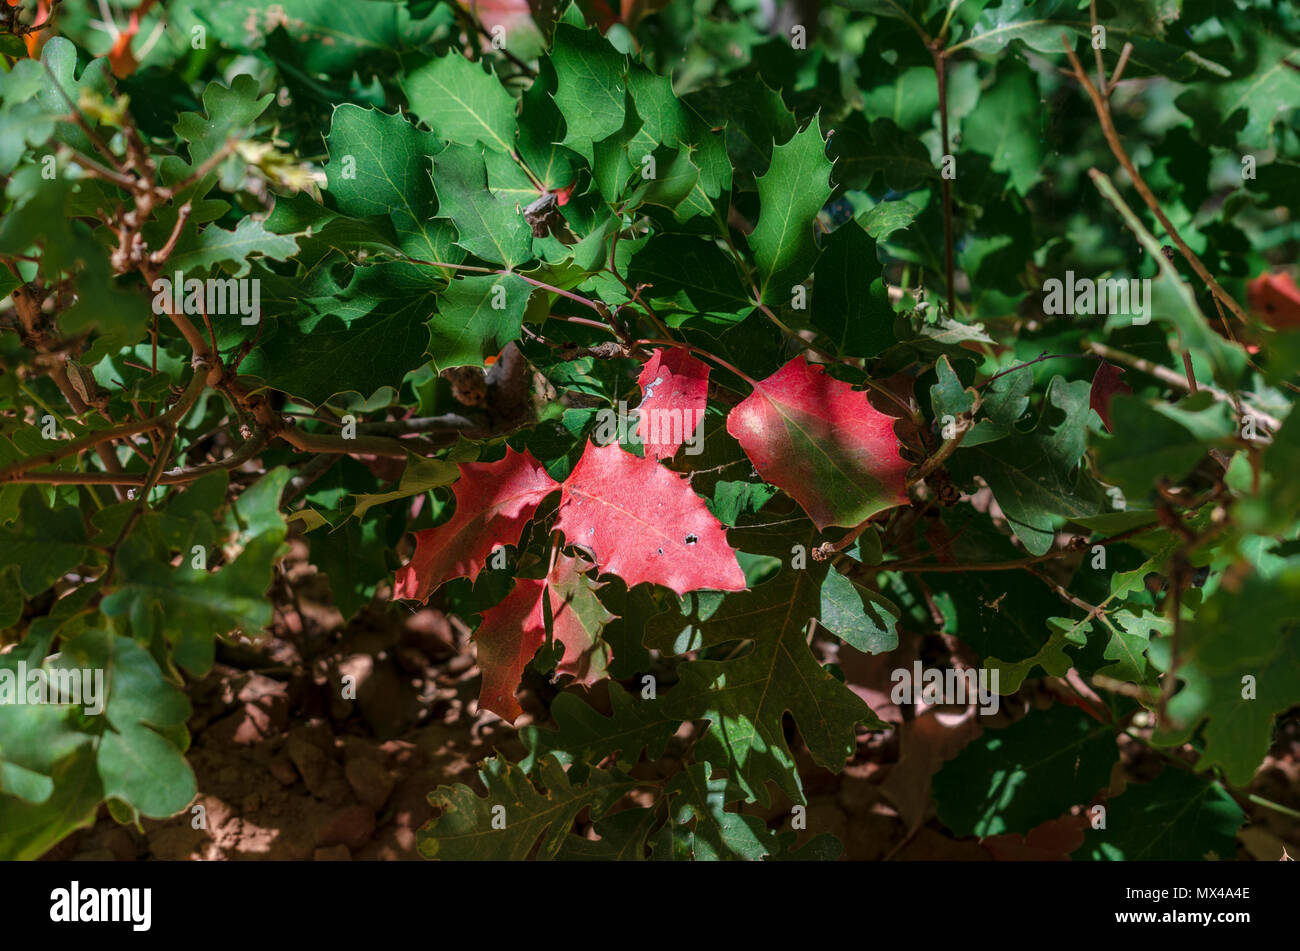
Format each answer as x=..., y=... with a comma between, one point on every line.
x=1102, y=108
x=1174, y=379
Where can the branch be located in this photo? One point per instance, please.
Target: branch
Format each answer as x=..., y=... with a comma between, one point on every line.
x=172, y=417
x=1174, y=379
x=1112, y=138
x=948, y=448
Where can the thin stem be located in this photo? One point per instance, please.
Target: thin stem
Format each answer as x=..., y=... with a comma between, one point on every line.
x=91, y=440
x=1101, y=64
x=1124, y=54
x=946, y=450
x=1102, y=108
x=941, y=75
x=655, y=342
x=1039, y=359
x=1174, y=379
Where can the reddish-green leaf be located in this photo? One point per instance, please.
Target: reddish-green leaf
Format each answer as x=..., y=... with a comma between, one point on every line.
x=512, y=631
x=823, y=443
x=1105, y=384
x=642, y=522
x=494, y=500
x=675, y=388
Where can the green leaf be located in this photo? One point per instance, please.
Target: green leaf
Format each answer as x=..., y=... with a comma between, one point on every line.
x=368, y=336
x=585, y=735
x=419, y=476
x=882, y=220
x=1032, y=475
x=541, y=127
x=1177, y=817
x=1013, y=779
x=352, y=557
x=487, y=225
x=461, y=102
x=862, y=149
x=229, y=112
x=1152, y=441
x=201, y=251
x=1004, y=126
x=745, y=699
x=333, y=38
x=1038, y=25
x=590, y=80
x=692, y=273
x=857, y=616
x=380, y=165
x=189, y=607
x=849, y=302
x=46, y=544
x=526, y=819
x=476, y=317
x=1267, y=93
x=791, y=193
x=1239, y=660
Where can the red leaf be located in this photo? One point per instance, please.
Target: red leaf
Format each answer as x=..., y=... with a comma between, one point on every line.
x=494, y=500
x=642, y=522
x=1275, y=299
x=1106, y=384
x=511, y=633
x=675, y=388
x=823, y=443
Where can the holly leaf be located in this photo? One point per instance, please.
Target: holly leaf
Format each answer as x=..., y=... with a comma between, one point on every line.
x=369, y=335
x=695, y=275
x=642, y=522
x=862, y=149
x=379, y=165
x=494, y=501
x=461, y=102
x=674, y=391
x=591, y=77
x=477, y=316
x=487, y=225
x=823, y=443
x=791, y=192
x=849, y=304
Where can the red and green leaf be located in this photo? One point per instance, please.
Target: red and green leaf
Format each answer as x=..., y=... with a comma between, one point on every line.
x=823, y=443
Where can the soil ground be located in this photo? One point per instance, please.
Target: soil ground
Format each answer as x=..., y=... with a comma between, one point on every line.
x=288, y=770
